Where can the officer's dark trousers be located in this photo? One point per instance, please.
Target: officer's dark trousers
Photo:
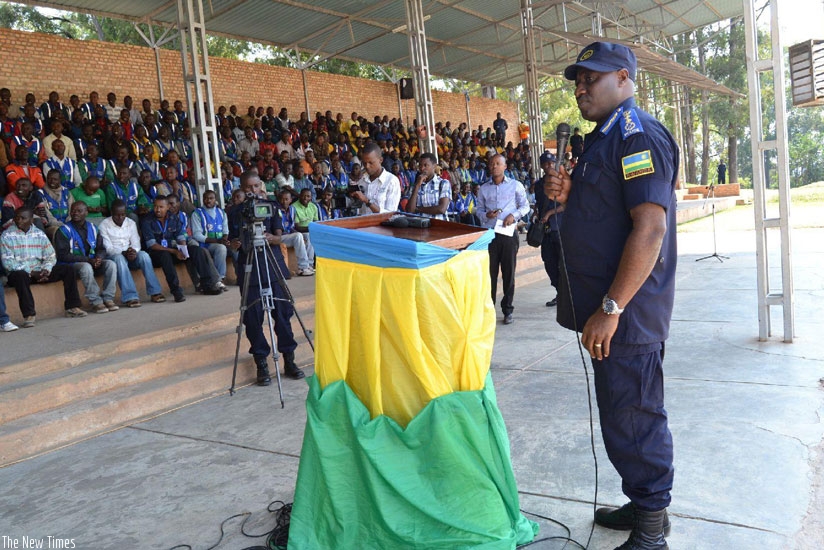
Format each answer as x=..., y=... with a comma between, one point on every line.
x=255, y=318
x=551, y=256
x=629, y=388
x=503, y=252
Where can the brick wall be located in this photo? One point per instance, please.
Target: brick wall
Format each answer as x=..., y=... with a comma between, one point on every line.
x=40, y=63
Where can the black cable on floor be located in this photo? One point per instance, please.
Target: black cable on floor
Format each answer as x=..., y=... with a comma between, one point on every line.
x=591, y=421
x=276, y=539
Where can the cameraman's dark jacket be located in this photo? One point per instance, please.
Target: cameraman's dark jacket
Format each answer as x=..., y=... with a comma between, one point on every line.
x=271, y=225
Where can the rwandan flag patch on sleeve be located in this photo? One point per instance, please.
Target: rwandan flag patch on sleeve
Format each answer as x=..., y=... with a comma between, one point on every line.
x=637, y=165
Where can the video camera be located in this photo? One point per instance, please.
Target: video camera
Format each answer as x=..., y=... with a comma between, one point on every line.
x=344, y=201
x=254, y=209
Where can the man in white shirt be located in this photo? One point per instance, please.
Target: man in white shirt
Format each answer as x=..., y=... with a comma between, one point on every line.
x=122, y=245
x=57, y=134
x=112, y=108
x=383, y=192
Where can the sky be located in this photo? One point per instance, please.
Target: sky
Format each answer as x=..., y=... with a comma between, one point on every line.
x=799, y=20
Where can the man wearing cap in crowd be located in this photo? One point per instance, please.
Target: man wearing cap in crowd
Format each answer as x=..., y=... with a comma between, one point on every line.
x=618, y=238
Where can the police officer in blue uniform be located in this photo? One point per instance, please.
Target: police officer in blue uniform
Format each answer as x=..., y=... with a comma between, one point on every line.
x=253, y=318
x=619, y=240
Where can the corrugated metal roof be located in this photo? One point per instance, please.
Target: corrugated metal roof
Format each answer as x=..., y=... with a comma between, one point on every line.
x=472, y=40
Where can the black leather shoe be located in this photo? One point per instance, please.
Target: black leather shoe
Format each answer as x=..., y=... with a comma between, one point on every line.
x=648, y=532
x=213, y=291
x=290, y=369
x=179, y=297
x=553, y=302
x=508, y=320
x=263, y=378
x=623, y=518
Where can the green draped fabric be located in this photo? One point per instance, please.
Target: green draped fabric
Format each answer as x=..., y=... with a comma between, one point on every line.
x=444, y=482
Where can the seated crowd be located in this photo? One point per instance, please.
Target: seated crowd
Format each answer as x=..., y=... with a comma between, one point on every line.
x=94, y=189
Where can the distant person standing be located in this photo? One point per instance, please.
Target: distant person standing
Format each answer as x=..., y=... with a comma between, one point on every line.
x=722, y=173
x=576, y=141
x=500, y=126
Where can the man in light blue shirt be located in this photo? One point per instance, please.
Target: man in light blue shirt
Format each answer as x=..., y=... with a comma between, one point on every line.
x=502, y=199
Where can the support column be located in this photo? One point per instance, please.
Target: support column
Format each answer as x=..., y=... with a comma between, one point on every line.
x=420, y=75
x=533, y=105
x=468, y=118
x=755, y=66
x=155, y=45
x=305, y=94
x=199, y=98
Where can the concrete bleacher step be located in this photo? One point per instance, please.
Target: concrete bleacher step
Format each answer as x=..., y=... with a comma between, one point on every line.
x=41, y=412
x=55, y=428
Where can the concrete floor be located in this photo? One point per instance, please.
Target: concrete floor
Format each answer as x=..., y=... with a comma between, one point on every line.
x=745, y=415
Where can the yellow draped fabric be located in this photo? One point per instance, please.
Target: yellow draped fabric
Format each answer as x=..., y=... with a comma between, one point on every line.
x=402, y=337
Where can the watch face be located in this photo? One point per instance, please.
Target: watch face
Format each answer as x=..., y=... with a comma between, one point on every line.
x=609, y=306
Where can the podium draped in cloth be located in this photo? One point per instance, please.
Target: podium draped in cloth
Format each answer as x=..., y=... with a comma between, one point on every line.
x=404, y=445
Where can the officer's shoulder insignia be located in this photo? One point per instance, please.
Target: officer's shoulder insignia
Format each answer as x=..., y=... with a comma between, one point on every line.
x=631, y=124
x=638, y=164
x=611, y=120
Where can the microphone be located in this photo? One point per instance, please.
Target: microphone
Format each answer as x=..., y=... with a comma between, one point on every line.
x=562, y=138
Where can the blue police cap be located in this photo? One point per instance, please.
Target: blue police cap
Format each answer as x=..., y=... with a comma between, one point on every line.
x=603, y=57
x=547, y=157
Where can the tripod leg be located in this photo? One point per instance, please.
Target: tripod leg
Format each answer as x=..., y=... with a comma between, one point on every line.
x=282, y=283
x=275, y=354
x=243, y=305
x=268, y=304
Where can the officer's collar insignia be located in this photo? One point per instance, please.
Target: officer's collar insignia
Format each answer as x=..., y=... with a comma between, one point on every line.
x=611, y=121
x=631, y=123
x=586, y=55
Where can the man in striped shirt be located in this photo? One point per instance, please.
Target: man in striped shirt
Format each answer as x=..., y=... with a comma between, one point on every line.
x=29, y=258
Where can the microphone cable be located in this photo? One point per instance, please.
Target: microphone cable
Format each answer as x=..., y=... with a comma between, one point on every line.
x=563, y=127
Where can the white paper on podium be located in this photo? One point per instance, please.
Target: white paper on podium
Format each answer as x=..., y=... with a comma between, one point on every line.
x=183, y=248
x=508, y=230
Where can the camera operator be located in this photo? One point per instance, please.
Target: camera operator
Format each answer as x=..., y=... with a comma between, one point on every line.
x=383, y=190
x=253, y=318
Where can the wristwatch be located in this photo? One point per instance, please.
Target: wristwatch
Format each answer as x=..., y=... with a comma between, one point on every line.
x=610, y=306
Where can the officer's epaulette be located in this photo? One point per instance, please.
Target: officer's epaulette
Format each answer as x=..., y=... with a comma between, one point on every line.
x=630, y=123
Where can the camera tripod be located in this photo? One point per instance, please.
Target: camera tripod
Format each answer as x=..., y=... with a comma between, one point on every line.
x=715, y=254
x=260, y=258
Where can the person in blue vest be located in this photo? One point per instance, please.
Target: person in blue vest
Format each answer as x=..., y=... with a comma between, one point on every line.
x=253, y=317
x=78, y=244
x=465, y=205
x=210, y=229
x=56, y=197
x=326, y=205
x=31, y=142
x=93, y=165
x=128, y=189
x=202, y=272
x=165, y=240
x=69, y=171
x=619, y=242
